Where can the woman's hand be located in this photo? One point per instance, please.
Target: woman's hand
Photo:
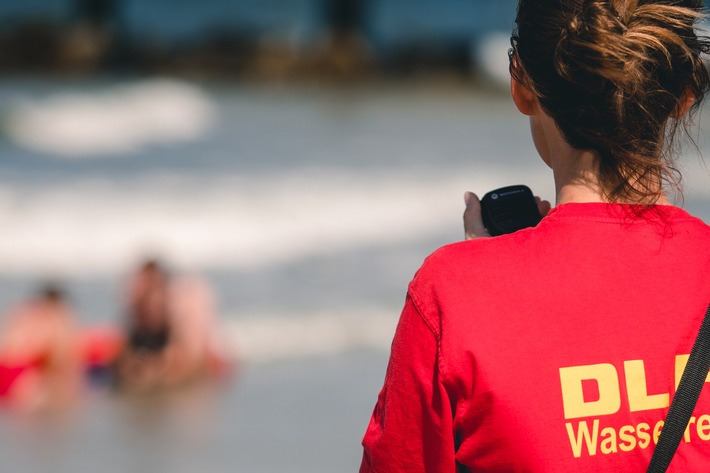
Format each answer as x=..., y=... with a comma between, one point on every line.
x=473, y=221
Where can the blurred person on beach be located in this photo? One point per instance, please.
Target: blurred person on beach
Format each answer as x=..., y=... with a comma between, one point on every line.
x=39, y=361
x=170, y=333
x=558, y=348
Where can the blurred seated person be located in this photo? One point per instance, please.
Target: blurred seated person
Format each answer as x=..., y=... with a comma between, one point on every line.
x=169, y=339
x=39, y=362
x=196, y=347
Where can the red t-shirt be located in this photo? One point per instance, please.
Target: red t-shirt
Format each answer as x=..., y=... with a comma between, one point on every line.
x=552, y=349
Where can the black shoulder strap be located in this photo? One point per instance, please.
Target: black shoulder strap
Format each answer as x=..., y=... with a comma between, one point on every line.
x=686, y=396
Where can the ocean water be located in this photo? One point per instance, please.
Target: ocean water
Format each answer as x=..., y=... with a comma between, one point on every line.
x=307, y=209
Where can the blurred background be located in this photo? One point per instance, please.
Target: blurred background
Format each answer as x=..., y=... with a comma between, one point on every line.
x=299, y=157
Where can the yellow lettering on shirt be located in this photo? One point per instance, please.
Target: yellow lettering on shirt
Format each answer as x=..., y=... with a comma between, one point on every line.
x=637, y=391
x=686, y=435
x=608, y=440
x=643, y=435
x=596, y=435
x=583, y=438
x=607, y=380
x=703, y=427
x=609, y=443
x=627, y=439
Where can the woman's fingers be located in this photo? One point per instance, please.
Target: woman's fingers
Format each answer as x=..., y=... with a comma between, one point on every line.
x=543, y=206
x=472, y=219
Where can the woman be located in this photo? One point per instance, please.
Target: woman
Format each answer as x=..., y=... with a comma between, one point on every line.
x=557, y=348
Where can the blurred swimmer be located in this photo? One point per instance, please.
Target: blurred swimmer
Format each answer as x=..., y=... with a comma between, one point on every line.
x=39, y=363
x=170, y=333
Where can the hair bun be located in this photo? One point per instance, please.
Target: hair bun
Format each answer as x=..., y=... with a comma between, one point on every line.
x=611, y=73
x=592, y=45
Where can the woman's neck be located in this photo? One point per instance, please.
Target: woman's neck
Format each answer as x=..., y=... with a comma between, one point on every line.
x=575, y=173
x=577, y=179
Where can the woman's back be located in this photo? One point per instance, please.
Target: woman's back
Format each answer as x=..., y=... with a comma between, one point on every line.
x=551, y=349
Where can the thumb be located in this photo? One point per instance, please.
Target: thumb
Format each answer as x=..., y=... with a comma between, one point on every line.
x=472, y=219
x=543, y=206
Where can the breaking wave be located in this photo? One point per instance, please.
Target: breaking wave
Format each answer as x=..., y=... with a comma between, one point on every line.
x=117, y=120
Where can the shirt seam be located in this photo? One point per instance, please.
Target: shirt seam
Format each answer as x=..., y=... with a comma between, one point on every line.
x=436, y=334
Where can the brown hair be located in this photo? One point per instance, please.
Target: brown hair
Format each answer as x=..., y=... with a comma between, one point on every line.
x=613, y=74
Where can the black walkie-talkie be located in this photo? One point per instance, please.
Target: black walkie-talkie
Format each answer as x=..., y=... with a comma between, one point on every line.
x=509, y=209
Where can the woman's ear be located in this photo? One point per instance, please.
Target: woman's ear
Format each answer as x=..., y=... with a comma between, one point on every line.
x=523, y=97
x=684, y=103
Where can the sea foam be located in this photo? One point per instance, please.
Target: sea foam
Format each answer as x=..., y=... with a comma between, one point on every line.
x=117, y=120
x=99, y=226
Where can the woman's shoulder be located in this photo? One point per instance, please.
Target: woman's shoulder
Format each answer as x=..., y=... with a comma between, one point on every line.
x=560, y=237
x=466, y=261
x=484, y=248
x=457, y=253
